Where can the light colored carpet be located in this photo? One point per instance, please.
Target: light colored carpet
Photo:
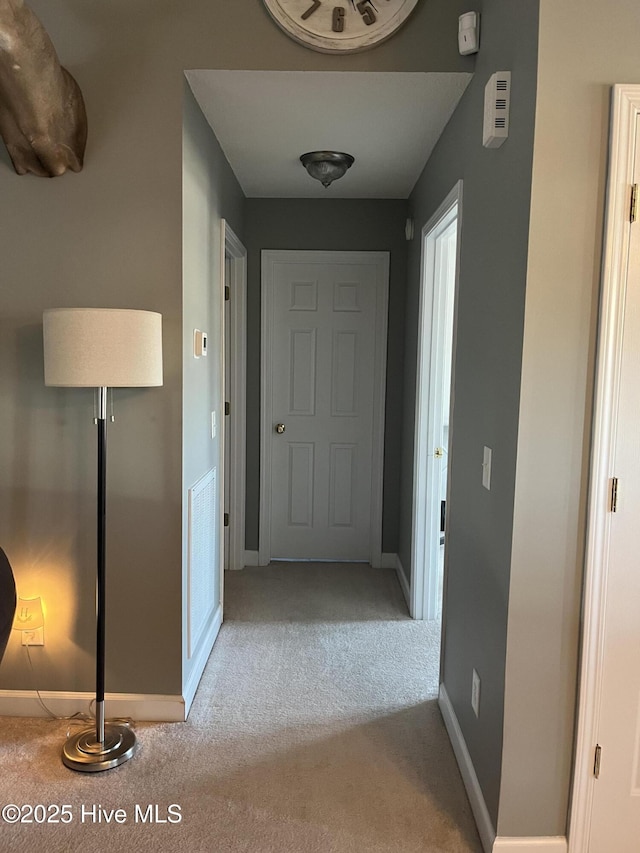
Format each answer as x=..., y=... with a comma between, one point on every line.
x=315, y=730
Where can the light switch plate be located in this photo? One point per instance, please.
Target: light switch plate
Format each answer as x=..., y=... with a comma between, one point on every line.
x=475, y=693
x=486, y=468
x=199, y=343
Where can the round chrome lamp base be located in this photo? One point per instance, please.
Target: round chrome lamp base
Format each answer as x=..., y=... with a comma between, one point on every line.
x=84, y=752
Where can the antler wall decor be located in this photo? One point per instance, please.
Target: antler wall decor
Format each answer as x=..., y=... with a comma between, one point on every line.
x=43, y=121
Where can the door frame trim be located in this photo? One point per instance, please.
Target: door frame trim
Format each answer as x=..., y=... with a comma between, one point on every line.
x=423, y=595
x=268, y=258
x=625, y=114
x=236, y=431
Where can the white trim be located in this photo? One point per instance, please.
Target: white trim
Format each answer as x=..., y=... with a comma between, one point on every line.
x=542, y=844
x=474, y=792
x=139, y=706
x=625, y=113
x=266, y=419
x=388, y=561
x=199, y=661
x=251, y=558
x=269, y=256
x=424, y=586
x=233, y=249
x=404, y=583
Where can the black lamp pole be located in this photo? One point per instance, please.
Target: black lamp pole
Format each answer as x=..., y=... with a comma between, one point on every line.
x=107, y=745
x=101, y=555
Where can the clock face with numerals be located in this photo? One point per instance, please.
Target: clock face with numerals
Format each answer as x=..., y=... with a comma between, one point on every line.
x=340, y=26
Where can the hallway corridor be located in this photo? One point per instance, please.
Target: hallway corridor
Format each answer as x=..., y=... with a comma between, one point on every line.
x=335, y=693
x=315, y=730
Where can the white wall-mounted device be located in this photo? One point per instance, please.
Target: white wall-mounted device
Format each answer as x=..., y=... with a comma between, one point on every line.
x=409, y=228
x=475, y=693
x=497, y=99
x=468, y=33
x=199, y=343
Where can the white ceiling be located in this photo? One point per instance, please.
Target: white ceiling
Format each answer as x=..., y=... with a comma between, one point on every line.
x=264, y=121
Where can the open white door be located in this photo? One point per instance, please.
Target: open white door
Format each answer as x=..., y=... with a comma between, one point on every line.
x=606, y=805
x=440, y=243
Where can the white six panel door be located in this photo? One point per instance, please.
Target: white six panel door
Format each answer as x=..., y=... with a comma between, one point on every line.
x=323, y=314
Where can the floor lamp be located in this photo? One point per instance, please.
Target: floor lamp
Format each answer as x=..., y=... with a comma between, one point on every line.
x=101, y=348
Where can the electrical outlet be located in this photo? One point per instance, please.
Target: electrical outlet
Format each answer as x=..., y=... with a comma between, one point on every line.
x=33, y=638
x=475, y=693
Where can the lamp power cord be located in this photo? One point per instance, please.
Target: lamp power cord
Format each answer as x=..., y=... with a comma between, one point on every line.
x=79, y=716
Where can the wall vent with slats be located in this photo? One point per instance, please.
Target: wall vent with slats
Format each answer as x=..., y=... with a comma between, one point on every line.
x=203, y=557
x=497, y=97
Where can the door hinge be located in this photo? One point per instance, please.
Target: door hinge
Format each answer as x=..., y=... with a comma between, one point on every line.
x=596, y=761
x=227, y=293
x=226, y=519
x=614, y=495
x=227, y=408
x=633, y=212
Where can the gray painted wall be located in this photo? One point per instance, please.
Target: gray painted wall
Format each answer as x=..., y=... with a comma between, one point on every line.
x=337, y=225
x=112, y=236
x=210, y=193
x=496, y=197
x=563, y=284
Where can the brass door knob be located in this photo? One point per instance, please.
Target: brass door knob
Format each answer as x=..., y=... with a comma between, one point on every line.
x=280, y=428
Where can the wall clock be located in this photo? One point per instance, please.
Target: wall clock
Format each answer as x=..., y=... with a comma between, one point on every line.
x=332, y=26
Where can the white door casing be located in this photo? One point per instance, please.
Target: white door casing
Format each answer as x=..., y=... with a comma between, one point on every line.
x=324, y=337
x=605, y=811
x=436, y=346
x=227, y=431
x=234, y=272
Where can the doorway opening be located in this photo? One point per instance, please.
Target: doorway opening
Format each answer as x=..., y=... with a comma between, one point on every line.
x=434, y=404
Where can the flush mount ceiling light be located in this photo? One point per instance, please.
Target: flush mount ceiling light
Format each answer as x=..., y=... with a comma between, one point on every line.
x=326, y=166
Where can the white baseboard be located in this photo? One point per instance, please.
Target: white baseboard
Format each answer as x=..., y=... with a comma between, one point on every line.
x=150, y=707
x=199, y=661
x=474, y=792
x=549, y=844
x=490, y=843
x=138, y=706
x=404, y=583
x=251, y=558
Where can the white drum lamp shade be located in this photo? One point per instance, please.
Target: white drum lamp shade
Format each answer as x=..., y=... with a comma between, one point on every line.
x=102, y=348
